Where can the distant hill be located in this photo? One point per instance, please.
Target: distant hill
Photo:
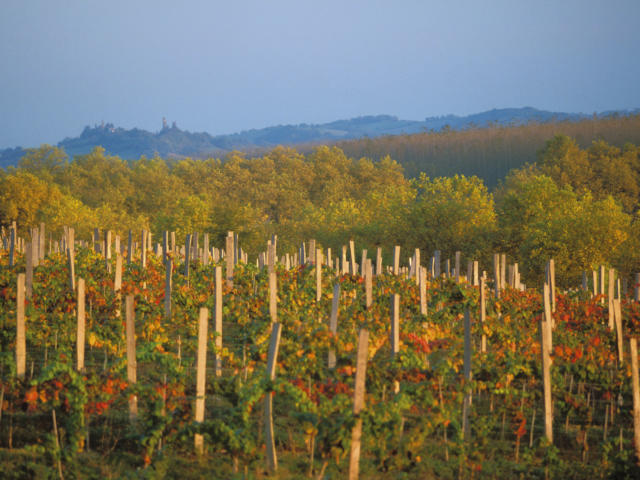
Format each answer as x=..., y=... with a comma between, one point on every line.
x=174, y=142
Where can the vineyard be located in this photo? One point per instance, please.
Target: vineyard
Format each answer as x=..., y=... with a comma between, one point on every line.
x=147, y=359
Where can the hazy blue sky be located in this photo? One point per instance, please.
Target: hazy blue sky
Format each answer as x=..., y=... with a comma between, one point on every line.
x=225, y=66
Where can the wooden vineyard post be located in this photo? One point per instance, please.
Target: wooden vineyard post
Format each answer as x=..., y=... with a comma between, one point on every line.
x=358, y=403
x=551, y=280
x=352, y=259
x=496, y=273
x=130, y=248
x=165, y=246
x=416, y=266
x=466, y=403
x=396, y=260
x=457, y=267
x=312, y=252
x=21, y=342
x=131, y=355
x=218, y=321
x=610, y=298
x=117, y=283
x=143, y=249
x=201, y=370
x=107, y=249
x=12, y=246
x=205, y=250
x=29, y=270
x=274, y=344
x=545, y=350
x=167, y=287
x=483, y=316
x=72, y=267
x=395, y=319
x=229, y=259
x=476, y=280
x=343, y=261
x=318, y=266
x=636, y=288
x=379, y=261
x=273, y=296
x=423, y=290
x=437, y=264
x=41, y=243
x=35, y=245
x=633, y=346
x=333, y=323
x=547, y=315
x=368, y=283
x=395, y=332
x=187, y=255
x=617, y=318
x=80, y=336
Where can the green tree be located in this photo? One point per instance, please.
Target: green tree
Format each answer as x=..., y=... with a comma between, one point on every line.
x=450, y=214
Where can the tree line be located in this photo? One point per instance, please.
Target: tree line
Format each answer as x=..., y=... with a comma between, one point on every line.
x=489, y=152
x=577, y=205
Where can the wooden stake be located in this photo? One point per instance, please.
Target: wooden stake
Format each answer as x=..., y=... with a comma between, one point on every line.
x=218, y=321
x=21, y=342
x=143, y=249
x=29, y=270
x=80, y=336
x=12, y=246
x=611, y=297
x=483, y=315
x=352, y=260
x=395, y=332
x=201, y=370
x=368, y=283
x=187, y=255
x=318, y=266
x=117, y=283
x=379, y=261
x=72, y=267
x=466, y=405
x=274, y=344
x=423, y=290
x=229, y=259
x=617, y=318
x=168, y=284
x=130, y=248
x=358, y=403
x=395, y=324
x=496, y=273
x=545, y=349
x=396, y=260
x=273, y=297
x=131, y=355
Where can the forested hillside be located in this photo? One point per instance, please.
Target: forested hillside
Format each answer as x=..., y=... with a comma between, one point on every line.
x=577, y=205
x=489, y=152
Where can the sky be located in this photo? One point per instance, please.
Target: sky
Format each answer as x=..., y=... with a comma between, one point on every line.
x=227, y=66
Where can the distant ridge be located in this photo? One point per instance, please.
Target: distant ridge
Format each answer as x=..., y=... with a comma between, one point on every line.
x=174, y=142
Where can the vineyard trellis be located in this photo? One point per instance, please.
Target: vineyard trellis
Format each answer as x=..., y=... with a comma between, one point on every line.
x=455, y=377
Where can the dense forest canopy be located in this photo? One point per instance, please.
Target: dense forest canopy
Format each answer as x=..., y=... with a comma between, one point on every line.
x=492, y=151
x=577, y=205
